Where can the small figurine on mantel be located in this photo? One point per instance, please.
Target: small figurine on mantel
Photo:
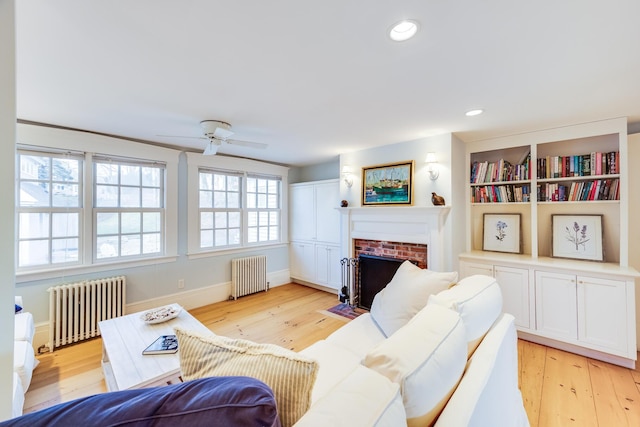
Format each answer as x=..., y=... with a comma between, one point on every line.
x=437, y=200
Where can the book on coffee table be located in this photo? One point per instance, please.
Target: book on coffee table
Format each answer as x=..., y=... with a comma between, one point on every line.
x=165, y=344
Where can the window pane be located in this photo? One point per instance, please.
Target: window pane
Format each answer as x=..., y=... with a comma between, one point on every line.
x=151, y=243
x=106, y=196
x=272, y=187
x=261, y=186
x=262, y=201
x=106, y=173
x=107, y=223
x=252, y=235
x=129, y=197
x=263, y=234
x=221, y=237
x=151, y=222
x=64, y=224
x=206, y=239
x=206, y=220
x=34, y=225
x=234, y=236
x=66, y=195
x=221, y=220
x=130, y=222
x=273, y=233
x=65, y=170
x=251, y=201
x=130, y=245
x=233, y=183
x=34, y=167
x=150, y=177
x=272, y=201
x=233, y=200
x=252, y=219
x=251, y=185
x=151, y=198
x=206, y=199
x=64, y=250
x=34, y=194
x=234, y=219
x=107, y=247
x=219, y=182
x=205, y=181
x=263, y=218
x=129, y=175
x=219, y=199
x=33, y=252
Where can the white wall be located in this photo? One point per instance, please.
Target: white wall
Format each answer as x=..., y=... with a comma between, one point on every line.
x=7, y=177
x=317, y=172
x=634, y=224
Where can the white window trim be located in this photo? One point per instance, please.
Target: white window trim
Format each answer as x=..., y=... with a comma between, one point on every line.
x=195, y=161
x=62, y=139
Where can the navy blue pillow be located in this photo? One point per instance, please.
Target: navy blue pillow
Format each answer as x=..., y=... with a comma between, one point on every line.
x=18, y=308
x=217, y=401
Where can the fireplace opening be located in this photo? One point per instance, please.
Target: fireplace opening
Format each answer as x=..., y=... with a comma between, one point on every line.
x=374, y=273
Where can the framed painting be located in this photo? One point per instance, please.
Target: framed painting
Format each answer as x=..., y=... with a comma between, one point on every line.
x=502, y=233
x=390, y=184
x=577, y=237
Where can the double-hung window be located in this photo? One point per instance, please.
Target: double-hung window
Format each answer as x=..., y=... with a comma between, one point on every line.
x=50, y=187
x=128, y=208
x=220, y=203
x=263, y=209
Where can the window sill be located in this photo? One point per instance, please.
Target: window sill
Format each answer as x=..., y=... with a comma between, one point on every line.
x=232, y=251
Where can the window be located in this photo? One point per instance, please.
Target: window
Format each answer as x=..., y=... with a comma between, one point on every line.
x=128, y=208
x=263, y=209
x=225, y=204
x=49, y=208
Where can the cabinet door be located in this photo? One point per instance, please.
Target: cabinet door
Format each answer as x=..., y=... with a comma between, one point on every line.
x=602, y=313
x=302, y=212
x=469, y=269
x=556, y=305
x=335, y=268
x=327, y=199
x=514, y=284
x=302, y=259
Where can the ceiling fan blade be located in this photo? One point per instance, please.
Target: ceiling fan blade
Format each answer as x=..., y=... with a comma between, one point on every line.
x=211, y=148
x=222, y=133
x=182, y=136
x=249, y=144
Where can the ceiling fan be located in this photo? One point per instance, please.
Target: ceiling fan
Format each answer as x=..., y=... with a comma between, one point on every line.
x=218, y=133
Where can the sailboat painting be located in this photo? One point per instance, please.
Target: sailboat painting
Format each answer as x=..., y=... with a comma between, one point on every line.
x=390, y=184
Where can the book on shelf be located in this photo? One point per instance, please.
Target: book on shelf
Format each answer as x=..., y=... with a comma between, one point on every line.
x=164, y=344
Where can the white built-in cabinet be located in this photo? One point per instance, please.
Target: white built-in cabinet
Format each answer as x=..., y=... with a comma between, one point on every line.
x=582, y=306
x=315, y=233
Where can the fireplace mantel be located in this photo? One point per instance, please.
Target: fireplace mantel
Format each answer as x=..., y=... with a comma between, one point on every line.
x=411, y=224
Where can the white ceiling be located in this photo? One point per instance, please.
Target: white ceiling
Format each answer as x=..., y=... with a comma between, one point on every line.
x=316, y=79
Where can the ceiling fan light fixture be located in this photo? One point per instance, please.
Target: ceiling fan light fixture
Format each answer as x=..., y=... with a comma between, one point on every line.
x=403, y=30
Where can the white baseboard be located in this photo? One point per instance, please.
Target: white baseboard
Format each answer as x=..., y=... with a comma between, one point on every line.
x=188, y=299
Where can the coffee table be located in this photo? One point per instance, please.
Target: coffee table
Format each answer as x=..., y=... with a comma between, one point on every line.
x=124, y=338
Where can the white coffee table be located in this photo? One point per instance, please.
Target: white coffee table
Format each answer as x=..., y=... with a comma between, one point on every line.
x=124, y=338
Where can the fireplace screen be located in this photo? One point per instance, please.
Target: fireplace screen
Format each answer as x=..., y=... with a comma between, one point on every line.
x=374, y=273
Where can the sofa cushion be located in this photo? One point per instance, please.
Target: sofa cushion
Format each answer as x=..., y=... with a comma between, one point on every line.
x=24, y=328
x=478, y=299
x=18, y=396
x=426, y=357
x=406, y=293
x=24, y=362
x=228, y=401
x=363, y=398
x=289, y=374
x=358, y=336
x=334, y=364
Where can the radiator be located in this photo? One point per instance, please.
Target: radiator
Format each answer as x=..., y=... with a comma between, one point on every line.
x=248, y=275
x=76, y=308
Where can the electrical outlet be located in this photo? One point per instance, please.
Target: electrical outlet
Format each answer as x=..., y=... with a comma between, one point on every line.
x=181, y=284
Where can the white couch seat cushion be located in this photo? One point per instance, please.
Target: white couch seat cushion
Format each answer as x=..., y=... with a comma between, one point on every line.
x=362, y=398
x=406, y=294
x=478, y=299
x=24, y=362
x=426, y=357
x=358, y=336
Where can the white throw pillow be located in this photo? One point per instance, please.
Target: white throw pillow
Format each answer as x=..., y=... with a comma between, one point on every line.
x=406, y=294
x=478, y=299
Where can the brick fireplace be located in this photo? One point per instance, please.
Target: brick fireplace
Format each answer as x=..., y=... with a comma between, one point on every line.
x=399, y=250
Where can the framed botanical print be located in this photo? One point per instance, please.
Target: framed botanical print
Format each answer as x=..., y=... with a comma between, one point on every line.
x=577, y=237
x=502, y=233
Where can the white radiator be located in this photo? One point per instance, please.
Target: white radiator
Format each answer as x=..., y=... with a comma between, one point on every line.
x=75, y=309
x=248, y=275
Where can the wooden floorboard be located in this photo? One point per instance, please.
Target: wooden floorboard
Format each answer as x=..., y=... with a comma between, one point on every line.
x=558, y=388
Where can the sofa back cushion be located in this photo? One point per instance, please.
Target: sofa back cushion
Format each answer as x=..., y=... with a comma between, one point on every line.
x=426, y=357
x=406, y=294
x=290, y=375
x=478, y=299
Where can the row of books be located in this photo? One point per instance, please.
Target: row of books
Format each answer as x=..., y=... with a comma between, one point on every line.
x=500, y=193
x=598, y=189
x=499, y=171
x=594, y=163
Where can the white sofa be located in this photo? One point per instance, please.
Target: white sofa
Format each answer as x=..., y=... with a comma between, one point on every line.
x=24, y=361
x=451, y=361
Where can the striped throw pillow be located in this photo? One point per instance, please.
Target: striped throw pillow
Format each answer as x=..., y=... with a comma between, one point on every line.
x=290, y=375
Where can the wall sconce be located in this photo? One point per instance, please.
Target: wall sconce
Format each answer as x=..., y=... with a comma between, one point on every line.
x=432, y=166
x=347, y=176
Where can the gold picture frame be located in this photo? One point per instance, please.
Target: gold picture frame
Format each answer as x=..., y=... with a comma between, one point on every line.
x=388, y=184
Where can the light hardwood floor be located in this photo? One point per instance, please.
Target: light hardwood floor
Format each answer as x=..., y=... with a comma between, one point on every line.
x=558, y=388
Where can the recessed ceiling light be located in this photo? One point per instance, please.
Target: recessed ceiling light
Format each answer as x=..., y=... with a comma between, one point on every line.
x=474, y=112
x=403, y=30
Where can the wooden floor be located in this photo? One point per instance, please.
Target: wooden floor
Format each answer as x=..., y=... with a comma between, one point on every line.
x=558, y=388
